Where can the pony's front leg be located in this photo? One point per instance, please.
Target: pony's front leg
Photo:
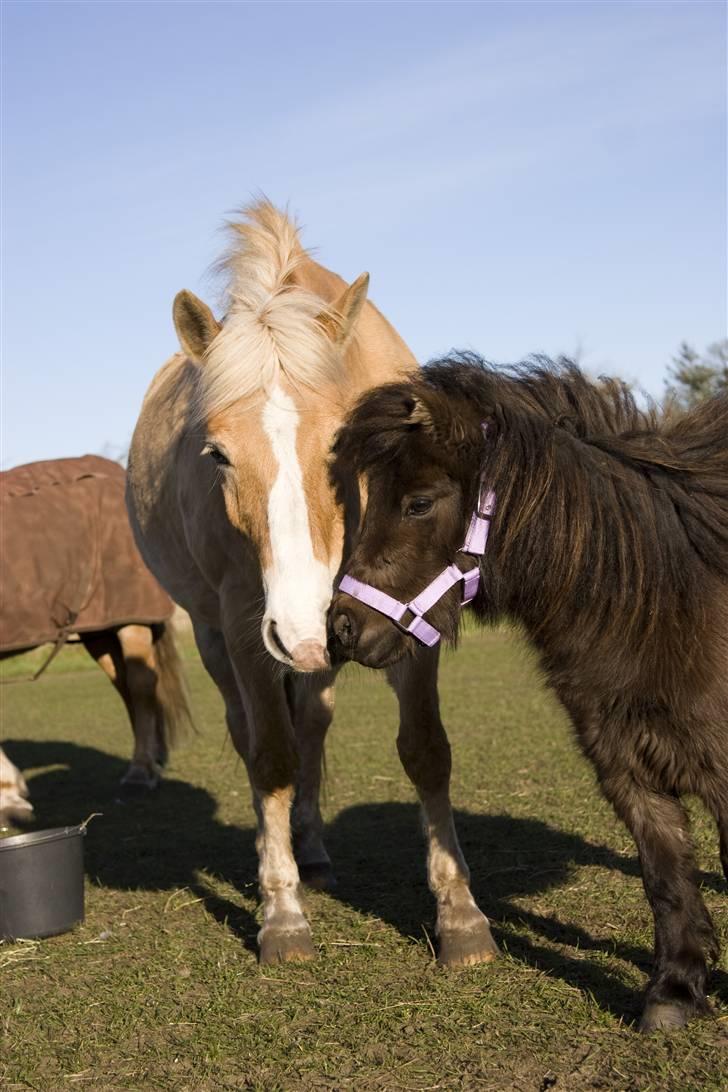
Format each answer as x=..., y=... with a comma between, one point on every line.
x=312, y=707
x=463, y=930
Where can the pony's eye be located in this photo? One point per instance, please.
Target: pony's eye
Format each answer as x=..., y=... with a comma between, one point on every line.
x=419, y=506
x=215, y=453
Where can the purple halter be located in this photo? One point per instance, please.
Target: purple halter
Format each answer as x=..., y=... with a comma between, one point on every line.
x=475, y=542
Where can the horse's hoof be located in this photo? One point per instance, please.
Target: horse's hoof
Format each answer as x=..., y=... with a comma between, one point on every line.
x=137, y=781
x=280, y=947
x=466, y=947
x=319, y=876
x=660, y=1016
x=135, y=790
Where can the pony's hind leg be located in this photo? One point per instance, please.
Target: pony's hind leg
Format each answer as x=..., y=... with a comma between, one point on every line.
x=723, y=835
x=715, y=797
x=311, y=701
x=463, y=930
x=684, y=933
x=259, y=724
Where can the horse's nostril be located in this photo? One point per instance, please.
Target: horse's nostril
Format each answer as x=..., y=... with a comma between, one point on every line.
x=345, y=630
x=273, y=631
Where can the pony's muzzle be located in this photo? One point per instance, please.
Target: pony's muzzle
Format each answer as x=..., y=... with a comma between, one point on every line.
x=357, y=633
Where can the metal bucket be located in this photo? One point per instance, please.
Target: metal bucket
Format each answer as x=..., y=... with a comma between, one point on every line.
x=41, y=882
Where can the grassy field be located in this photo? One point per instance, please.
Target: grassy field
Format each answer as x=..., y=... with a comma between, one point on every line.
x=160, y=988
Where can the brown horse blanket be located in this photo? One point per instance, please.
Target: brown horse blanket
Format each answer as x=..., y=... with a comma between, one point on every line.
x=68, y=562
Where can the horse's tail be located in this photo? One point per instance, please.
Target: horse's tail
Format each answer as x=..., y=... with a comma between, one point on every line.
x=171, y=691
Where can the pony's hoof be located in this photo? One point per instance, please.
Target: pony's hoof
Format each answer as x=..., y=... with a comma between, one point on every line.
x=319, y=877
x=660, y=1016
x=466, y=947
x=664, y=1015
x=280, y=947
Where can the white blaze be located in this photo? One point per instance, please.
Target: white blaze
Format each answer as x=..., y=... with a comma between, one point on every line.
x=297, y=585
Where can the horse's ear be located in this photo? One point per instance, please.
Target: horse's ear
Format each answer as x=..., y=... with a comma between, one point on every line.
x=195, y=324
x=340, y=318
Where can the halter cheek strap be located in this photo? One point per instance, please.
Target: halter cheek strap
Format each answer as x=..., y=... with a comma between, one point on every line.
x=409, y=616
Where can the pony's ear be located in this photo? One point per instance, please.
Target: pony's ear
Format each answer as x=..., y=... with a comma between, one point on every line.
x=420, y=414
x=340, y=318
x=195, y=324
x=449, y=423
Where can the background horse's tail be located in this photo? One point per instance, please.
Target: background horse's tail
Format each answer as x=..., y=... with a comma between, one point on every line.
x=171, y=692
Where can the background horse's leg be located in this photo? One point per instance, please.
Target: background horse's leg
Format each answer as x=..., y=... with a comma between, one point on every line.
x=126, y=656
x=104, y=646
x=142, y=681
x=311, y=701
x=463, y=931
x=260, y=726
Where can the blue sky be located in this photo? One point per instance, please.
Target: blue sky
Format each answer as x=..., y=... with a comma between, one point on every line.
x=517, y=177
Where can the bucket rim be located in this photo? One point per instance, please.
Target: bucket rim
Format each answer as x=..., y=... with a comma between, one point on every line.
x=40, y=837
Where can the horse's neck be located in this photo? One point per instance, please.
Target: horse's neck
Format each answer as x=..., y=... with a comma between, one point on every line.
x=377, y=354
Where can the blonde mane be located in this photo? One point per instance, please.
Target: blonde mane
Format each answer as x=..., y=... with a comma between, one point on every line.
x=272, y=326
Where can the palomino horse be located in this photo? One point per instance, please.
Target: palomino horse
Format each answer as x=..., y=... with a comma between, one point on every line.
x=609, y=545
x=234, y=511
x=70, y=568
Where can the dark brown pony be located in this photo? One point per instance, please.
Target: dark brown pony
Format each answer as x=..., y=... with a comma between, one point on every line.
x=609, y=544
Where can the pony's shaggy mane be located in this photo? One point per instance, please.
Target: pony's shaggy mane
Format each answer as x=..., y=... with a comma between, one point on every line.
x=272, y=325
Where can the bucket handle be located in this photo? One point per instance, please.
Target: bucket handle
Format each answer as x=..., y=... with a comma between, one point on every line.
x=81, y=828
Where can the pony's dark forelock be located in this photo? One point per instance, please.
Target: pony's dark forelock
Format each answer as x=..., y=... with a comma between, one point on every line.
x=378, y=427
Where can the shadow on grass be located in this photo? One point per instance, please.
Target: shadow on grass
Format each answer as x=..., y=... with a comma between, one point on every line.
x=164, y=840
x=152, y=841
x=379, y=859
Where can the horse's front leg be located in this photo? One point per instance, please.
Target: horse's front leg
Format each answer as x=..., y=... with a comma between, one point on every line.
x=260, y=726
x=311, y=700
x=271, y=761
x=463, y=930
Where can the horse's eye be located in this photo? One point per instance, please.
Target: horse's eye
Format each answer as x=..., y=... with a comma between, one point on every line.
x=419, y=506
x=214, y=452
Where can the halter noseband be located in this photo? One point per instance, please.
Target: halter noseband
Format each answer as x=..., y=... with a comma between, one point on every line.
x=409, y=616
